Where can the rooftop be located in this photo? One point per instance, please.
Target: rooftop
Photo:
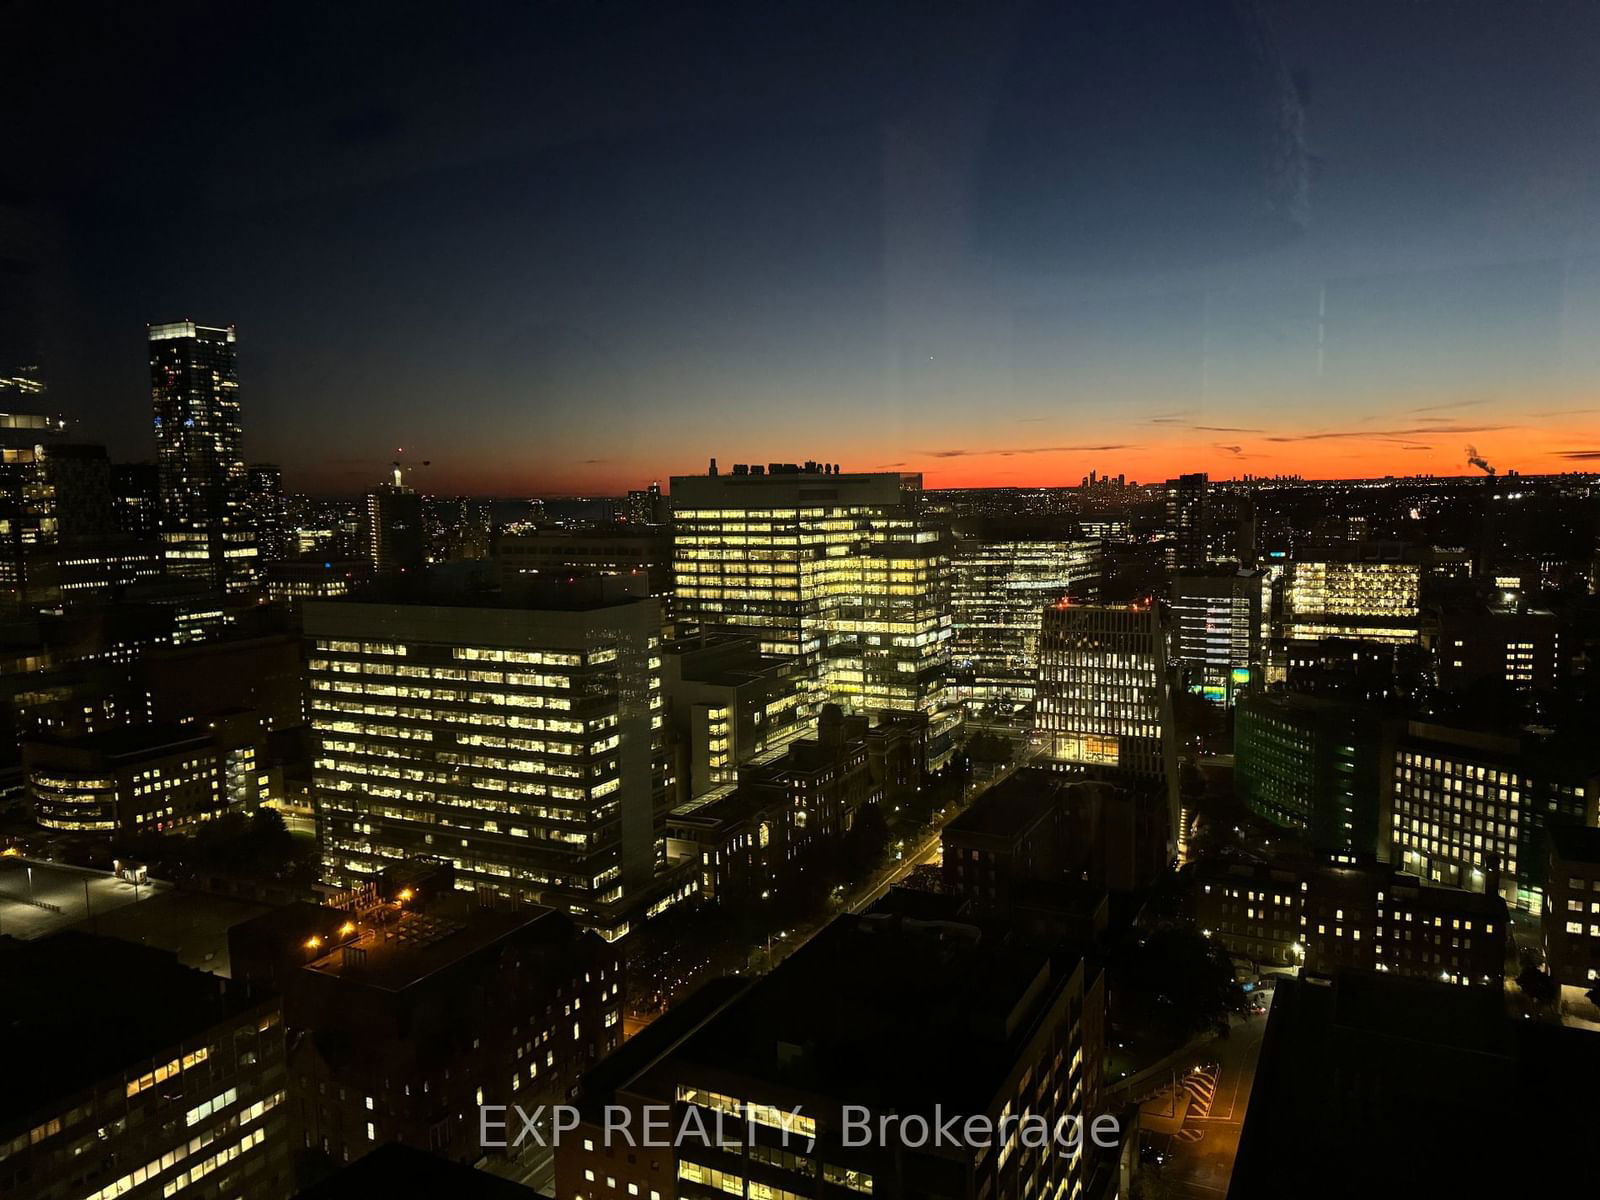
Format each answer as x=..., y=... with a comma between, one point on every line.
x=1575, y=843
x=892, y=993
x=396, y=1170
x=1426, y=1085
x=658, y=1038
x=1013, y=806
x=87, y=1008
x=391, y=948
x=133, y=741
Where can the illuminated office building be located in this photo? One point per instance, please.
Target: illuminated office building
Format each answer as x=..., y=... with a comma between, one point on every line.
x=526, y=745
x=1217, y=633
x=1002, y=580
x=1104, y=701
x=295, y=580
x=727, y=705
x=144, y=778
x=1366, y=599
x=147, y=1080
x=194, y=388
x=80, y=569
x=1470, y=809
x=846, y=573
x=25, y=520
x=1572, y=914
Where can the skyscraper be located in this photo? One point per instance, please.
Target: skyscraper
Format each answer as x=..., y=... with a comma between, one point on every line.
x=268, y=511
x=194, y=388
x=25, y=521
x=847, y=573
x=1104, y=701
x=397, y=538
x=1186, y=520
x=647, y=506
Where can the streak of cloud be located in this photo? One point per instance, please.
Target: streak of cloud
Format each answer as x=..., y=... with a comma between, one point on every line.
x=1453, y=404
x=1008, y=452
x=1383, y=434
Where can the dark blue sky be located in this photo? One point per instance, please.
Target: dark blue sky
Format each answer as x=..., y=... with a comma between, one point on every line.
x=572, y=246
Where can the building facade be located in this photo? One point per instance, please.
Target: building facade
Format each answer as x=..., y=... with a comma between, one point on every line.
x=144, y=778
x=777, y=1065
x=1520, y=647
x=727, y=706
x=1470, y=809
x=167, y=1083
x=26, y=520
x=293, y=581
x=1186, y=520
x=194, y=389
x=1105, y=700
x=1003, y=577
x=1572, y=907
x=846, y=573
x=397, y=539
x=607, y=550
x=524, y=745
x=1319, y=767
x=406, y=1006
x=1351, y=912
x=1218, y=631
x=1372, y=599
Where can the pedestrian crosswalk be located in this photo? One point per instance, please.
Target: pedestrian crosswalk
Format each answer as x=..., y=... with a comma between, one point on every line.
x=1201, y=1084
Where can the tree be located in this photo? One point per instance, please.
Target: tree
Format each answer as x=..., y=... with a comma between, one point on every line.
x=1187, y=980
x=1538, y=987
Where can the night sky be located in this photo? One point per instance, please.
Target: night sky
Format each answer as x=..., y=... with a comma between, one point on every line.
x=570, y=247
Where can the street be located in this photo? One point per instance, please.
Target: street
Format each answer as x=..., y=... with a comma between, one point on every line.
x=1202, y=1168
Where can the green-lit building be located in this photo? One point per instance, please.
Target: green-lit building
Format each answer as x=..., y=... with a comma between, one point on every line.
x=1319, y=767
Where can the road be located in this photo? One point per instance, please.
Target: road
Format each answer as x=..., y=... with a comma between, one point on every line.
x=1202, y=1168
x=929, y=846
x=924, y=852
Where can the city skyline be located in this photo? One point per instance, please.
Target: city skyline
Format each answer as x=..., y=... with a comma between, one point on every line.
x=595, y=254
x=920, y=600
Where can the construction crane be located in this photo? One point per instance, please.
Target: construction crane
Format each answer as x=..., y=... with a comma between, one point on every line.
x=397, y=465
